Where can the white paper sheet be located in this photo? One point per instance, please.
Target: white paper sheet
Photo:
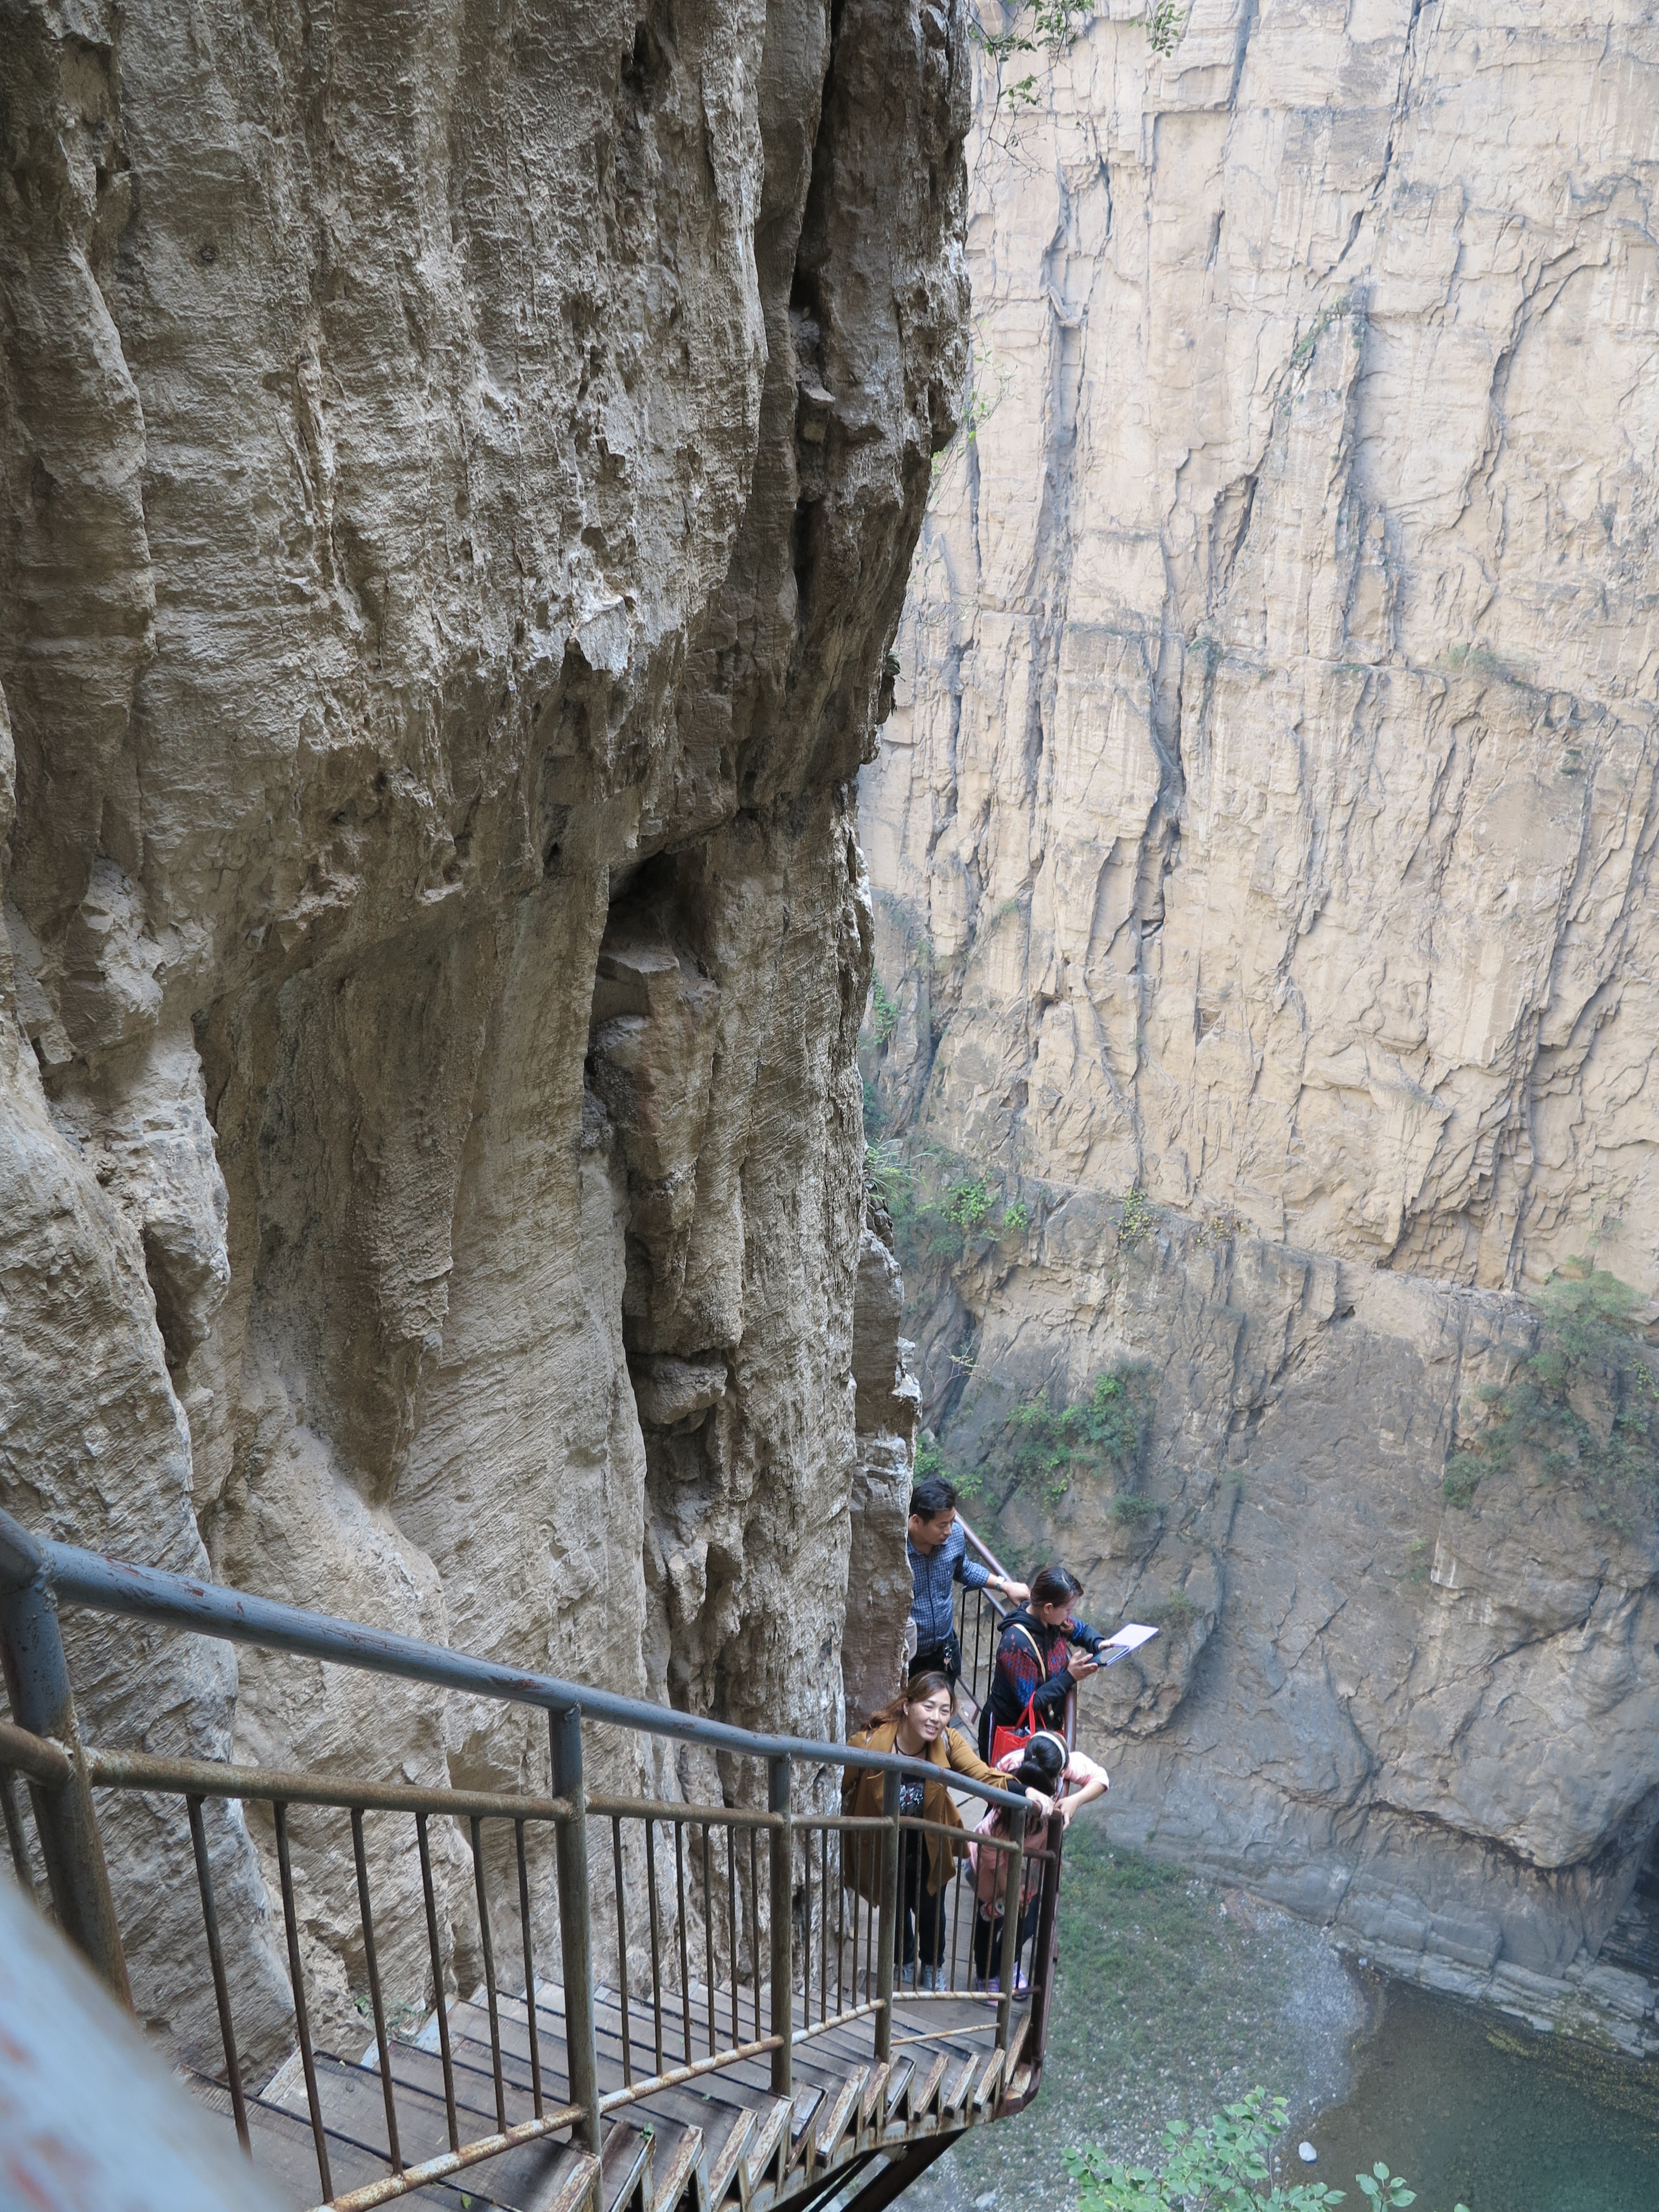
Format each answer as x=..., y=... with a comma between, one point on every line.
x=1130, y=1638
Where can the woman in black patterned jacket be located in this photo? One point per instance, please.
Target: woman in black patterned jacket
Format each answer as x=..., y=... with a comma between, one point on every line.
x=1045, y=1651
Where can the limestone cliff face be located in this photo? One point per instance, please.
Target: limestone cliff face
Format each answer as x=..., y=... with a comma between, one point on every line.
x=1265, y=822
x=458, y=476
x=1430, y=1722
x=1268, y=811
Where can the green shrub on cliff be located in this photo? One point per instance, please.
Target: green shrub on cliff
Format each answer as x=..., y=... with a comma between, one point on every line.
x=881, y=1017
x=1585, y=1401
x=1223, y=2167
x=931, y=1459
x=939, y=1203
x=1046, y=1446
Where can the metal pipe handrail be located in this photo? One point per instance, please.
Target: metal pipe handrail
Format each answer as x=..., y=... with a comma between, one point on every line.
x=986, y=1553
x=236, y=1616
x=36, y=1756
x=44, y=1744
x=215, y=1778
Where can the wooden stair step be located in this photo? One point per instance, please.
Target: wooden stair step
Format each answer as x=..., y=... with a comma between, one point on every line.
x=539, y=2175
x=721, y=2167
x=806, y=2104
x=986, y=2088
x=681, y=2112
x=473, y=2069
x=419, y=2072
x=898, y=2081
x=733, y=2087
x=284, y=2153
x=565, y=2186
x=955, y=2095
x=353, y=2100
x=625, y=2165
x=678, y=2154
x=843, y=2103
x=771, y=2129
x=926, y=2082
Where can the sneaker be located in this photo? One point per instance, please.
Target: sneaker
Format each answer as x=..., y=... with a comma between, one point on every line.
x=929, y=1978
x=993, y=1986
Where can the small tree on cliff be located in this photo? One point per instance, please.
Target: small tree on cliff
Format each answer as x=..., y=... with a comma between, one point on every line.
x=1045, y=29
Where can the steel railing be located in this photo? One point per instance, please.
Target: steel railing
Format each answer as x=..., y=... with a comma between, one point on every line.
x=808, y=1934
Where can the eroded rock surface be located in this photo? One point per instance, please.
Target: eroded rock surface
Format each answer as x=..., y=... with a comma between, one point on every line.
x=437, y=641
x=1267, y=814
x=1429, y=1723
x=1265, y=826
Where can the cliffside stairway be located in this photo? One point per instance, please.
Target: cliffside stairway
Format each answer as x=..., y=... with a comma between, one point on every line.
x=730, y=2024
x=723, y=2139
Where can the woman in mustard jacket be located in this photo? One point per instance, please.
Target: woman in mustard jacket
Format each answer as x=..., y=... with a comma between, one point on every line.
x=918, y=1725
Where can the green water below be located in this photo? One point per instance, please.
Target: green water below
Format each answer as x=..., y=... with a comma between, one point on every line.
x=1475, y=2109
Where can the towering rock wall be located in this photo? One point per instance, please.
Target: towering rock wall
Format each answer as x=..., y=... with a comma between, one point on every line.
x=459, y=470
x=1265, y=829
x=1272, y=781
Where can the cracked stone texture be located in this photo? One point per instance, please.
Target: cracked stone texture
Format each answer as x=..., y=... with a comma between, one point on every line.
x=1266, y=819
x=1268, y=811
x=1432, y=1727
x=437, y=642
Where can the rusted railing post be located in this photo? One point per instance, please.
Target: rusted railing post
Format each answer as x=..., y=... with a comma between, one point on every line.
x=1042, y=1955
x=1013, y=1884
x=37, y=1682
x=887, y=1916
x=782, y=1845
x=575, y=1925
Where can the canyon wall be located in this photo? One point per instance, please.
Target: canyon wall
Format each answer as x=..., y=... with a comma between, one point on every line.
x=458, y=476
x=1262, y=847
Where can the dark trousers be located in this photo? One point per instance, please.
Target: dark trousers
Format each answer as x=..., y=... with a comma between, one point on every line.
x=937, y=1659
x=919, y=1916
x=987, y=1937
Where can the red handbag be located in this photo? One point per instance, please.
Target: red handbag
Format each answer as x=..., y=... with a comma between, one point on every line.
x=1005, y=1739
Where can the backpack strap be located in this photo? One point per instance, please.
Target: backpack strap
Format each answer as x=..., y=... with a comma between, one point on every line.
x=1019, y=1628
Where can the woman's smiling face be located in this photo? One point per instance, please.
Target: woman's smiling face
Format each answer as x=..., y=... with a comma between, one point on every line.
x=930, y=1717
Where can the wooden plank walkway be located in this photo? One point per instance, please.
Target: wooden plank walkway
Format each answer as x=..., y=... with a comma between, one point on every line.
x=718, y=2140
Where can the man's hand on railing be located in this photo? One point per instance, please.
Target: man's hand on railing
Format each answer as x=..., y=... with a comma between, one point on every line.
x=1016, y=1592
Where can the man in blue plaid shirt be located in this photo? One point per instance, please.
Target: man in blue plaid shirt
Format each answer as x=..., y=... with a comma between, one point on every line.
x=939, y=1560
